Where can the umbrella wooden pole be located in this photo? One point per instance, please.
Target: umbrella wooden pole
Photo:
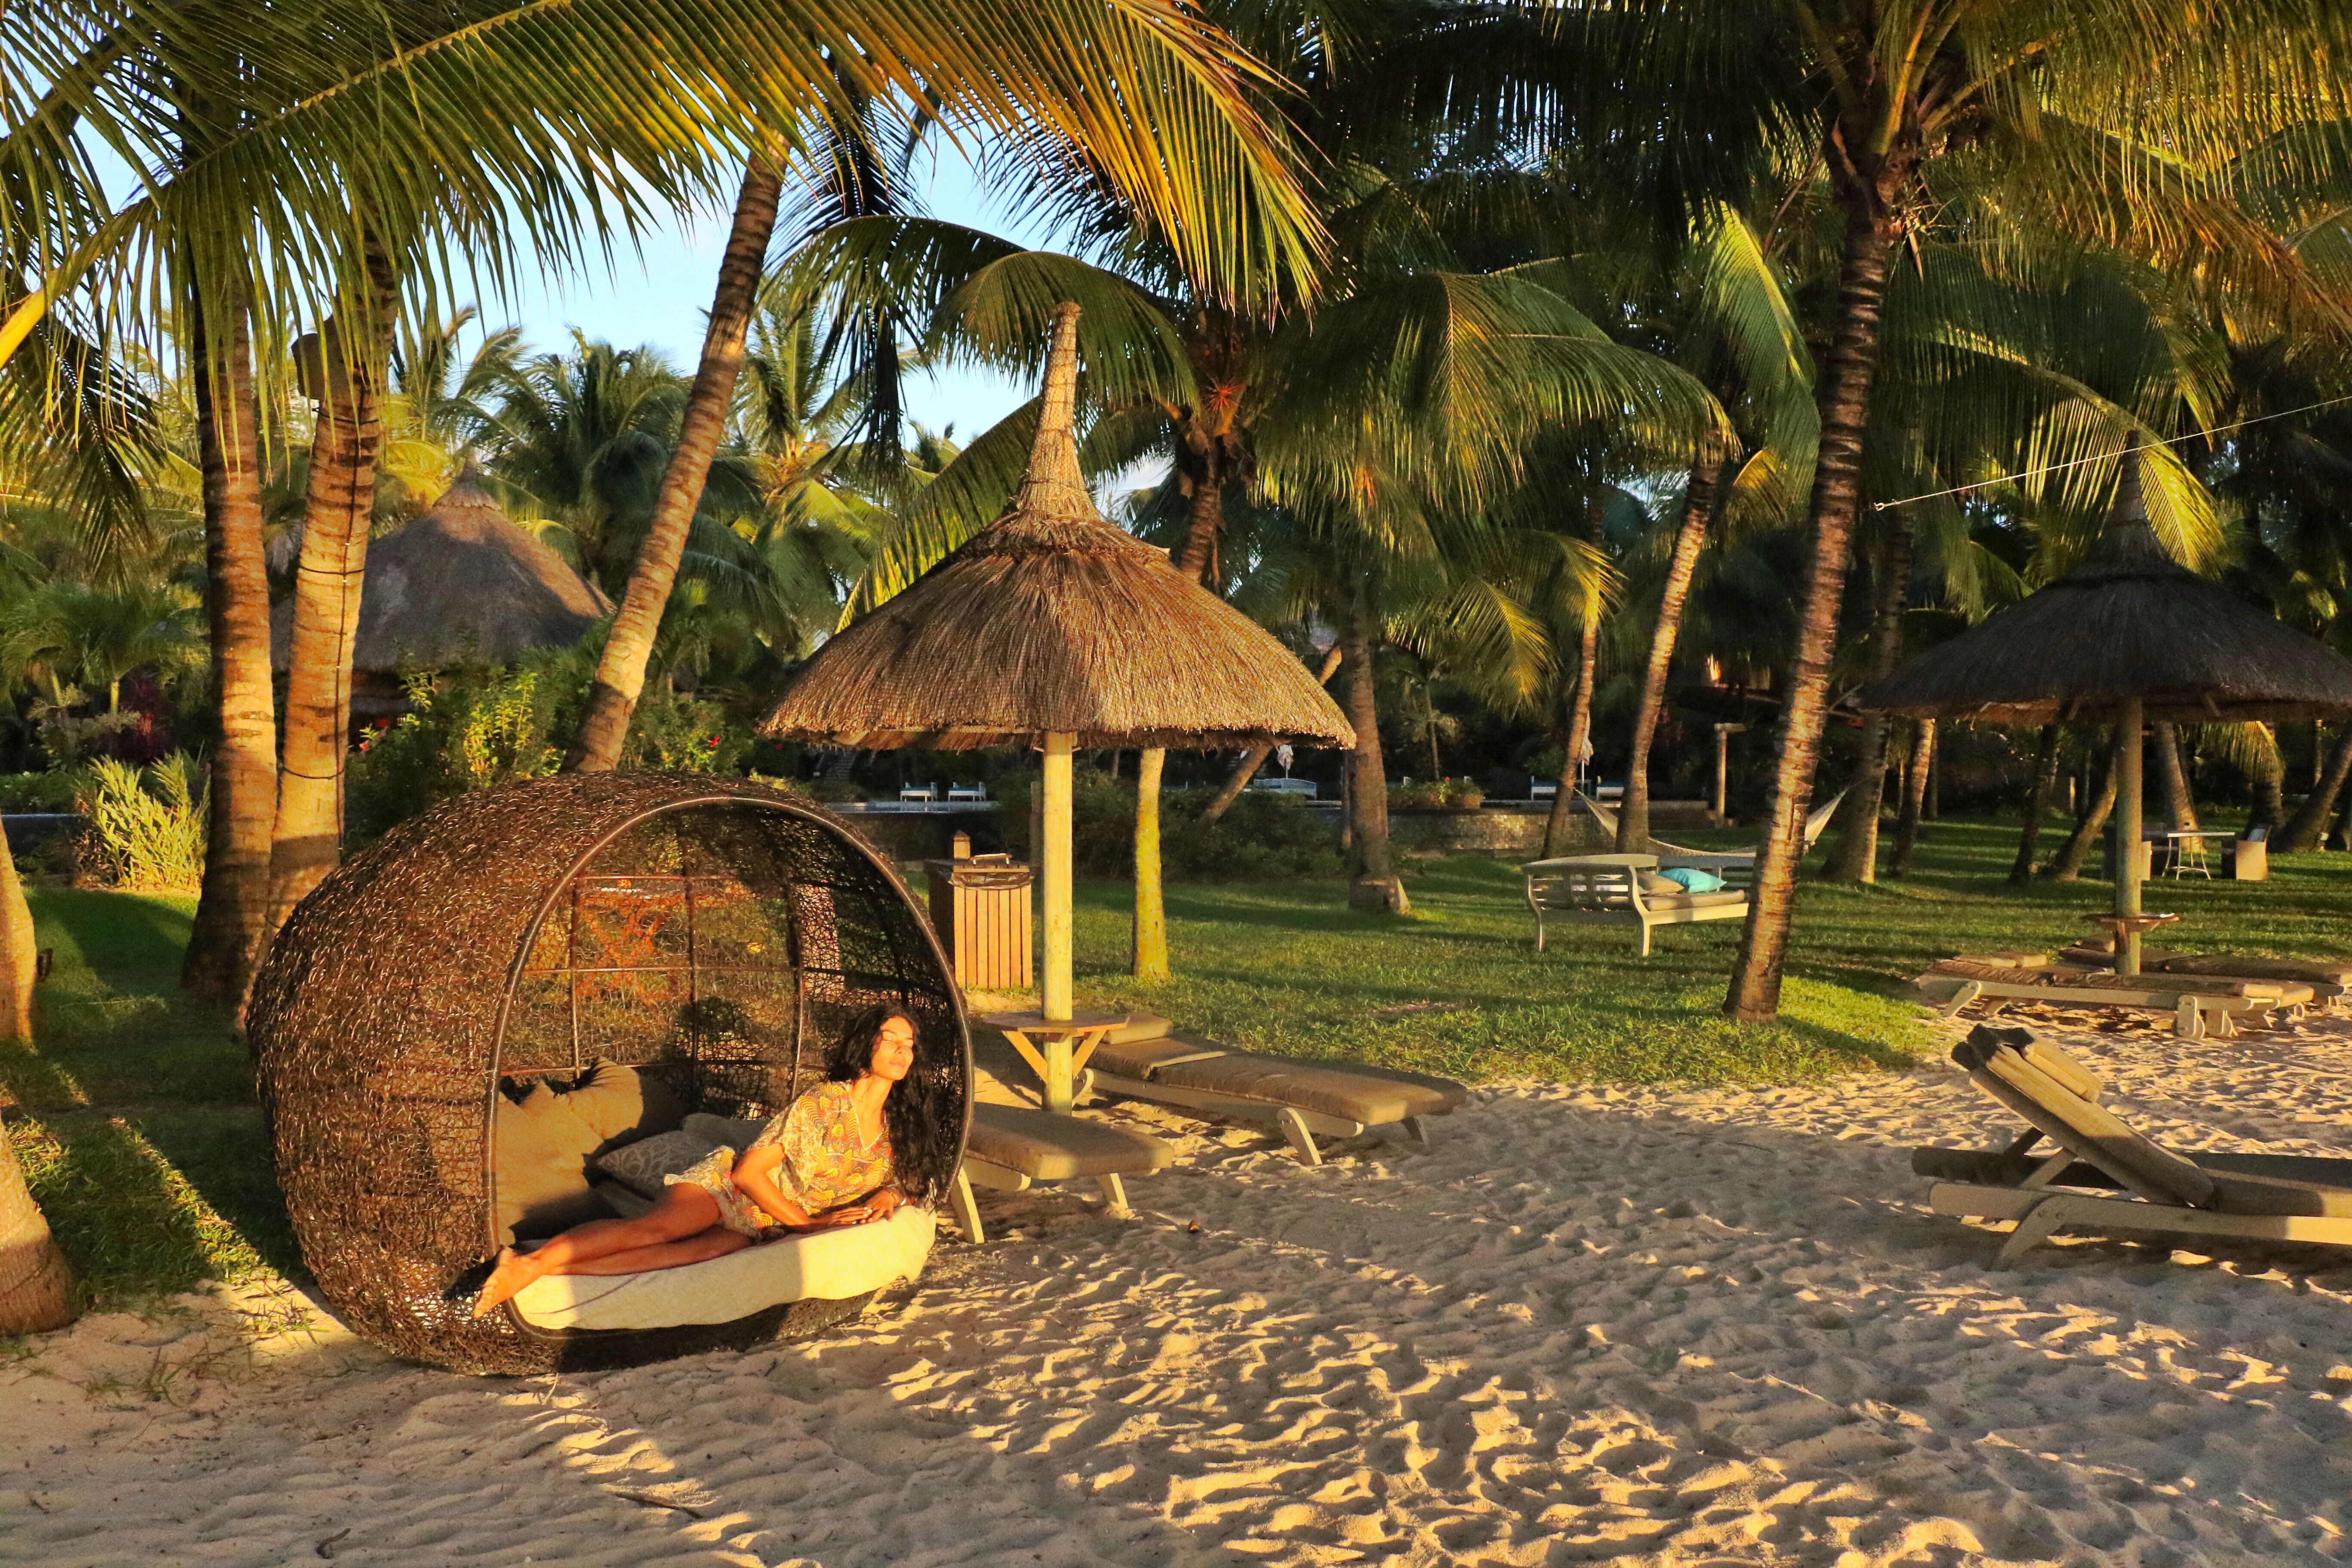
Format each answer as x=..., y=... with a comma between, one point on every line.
x=2128, y=751
x=1054, y=878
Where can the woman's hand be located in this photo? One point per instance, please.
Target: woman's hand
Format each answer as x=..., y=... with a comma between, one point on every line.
x=847, y=1214
x=884, y=1201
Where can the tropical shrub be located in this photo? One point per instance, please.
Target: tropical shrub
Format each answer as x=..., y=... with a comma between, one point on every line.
x=147, y=828
x=469, y=729
x=51, y=791
x=1263, y=837
x=1456, y=794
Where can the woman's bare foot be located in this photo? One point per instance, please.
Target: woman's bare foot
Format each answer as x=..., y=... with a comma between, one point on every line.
x=513, y=1272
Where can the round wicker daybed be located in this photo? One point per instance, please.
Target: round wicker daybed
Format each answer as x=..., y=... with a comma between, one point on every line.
x=634, y=947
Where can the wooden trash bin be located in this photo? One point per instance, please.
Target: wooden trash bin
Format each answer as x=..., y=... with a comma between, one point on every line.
x=2250, y=857
x=981, y=908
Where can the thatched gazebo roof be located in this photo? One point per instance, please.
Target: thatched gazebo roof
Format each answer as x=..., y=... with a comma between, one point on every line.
x=2128, y=622
x=460, y=581
x=1050, y=621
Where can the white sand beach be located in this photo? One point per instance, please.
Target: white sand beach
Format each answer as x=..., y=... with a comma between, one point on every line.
x=1674, y=1328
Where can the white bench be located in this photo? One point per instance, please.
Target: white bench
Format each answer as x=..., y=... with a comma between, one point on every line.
x=1606, y=889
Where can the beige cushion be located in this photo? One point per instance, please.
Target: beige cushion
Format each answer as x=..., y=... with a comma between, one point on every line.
x=1138, y=1027
x=1142, y=1057
x=619, y=1103
x=1046, y=1147
x=641, y=1165
x=1346, y=1090
x=1664, y=886
x=1729, y=897
x=826, y=1265
x=541, y=1149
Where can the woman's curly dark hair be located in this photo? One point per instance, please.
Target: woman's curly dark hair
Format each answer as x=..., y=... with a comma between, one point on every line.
x=921, y=1113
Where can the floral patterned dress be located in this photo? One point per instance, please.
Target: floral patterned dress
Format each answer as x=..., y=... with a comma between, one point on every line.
x=827, y=1162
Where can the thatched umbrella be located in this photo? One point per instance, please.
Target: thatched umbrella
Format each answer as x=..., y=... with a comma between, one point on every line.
x=2128, y=635
x=1050, y=624
x=461, y=582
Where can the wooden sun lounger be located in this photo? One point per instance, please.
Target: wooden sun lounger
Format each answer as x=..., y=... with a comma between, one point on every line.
x=2134, y=1186
x=2328, y=981
x=1302, y=1098
x=2199, y=1006
x=1011, y=1148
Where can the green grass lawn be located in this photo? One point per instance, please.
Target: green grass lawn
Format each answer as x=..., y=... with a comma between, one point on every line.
x=137, y=1123
x=1292, y=968
x=134, y=1117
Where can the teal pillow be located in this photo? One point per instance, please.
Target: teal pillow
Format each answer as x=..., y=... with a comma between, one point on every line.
x=1694, y=880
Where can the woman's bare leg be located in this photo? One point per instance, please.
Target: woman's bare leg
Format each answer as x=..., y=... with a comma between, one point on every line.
x=715, y=1242
x=684, y=1210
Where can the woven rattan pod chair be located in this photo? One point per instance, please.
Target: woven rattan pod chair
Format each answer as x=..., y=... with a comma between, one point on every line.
x=713, y=934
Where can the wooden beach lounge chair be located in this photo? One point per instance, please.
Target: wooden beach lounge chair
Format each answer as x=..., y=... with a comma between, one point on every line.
x=1011, y=1148
x=2101, y=1178
x=2199, y=1004
x=1617, y=890
x=1305, y=1099
x=2330, y=979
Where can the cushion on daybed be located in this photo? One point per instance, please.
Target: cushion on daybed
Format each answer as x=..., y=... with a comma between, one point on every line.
x=1047, y=1147
x=542, y=1148
x=640, y=1167
x=826, y=1265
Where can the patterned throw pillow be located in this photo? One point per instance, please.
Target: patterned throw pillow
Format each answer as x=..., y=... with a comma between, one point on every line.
x=640, y=1167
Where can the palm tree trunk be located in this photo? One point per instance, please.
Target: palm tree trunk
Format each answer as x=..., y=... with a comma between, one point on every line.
x=621, y=673
x=20, y=953
x=1376, y=885
x=233, y=910
x=2179, y=803
x=1149, y=945
x=1579, y=729
x=1150, y=931
x=2270, y=774
x=2303, y=829
x=1699, y=502
x=307, y=839
x=35, y=1290
x=1915, y=797
x=2068, y=866
x=2037, y=799
x=1754, y=994
x=1855, y=857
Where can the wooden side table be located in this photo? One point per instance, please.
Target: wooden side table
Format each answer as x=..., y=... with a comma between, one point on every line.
x=1056, y=1049
x=2127, y=929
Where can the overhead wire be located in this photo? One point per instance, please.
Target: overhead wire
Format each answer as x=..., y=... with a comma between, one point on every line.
x=2104, y=456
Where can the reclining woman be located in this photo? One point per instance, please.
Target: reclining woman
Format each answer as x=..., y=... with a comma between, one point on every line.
x=827, y=1162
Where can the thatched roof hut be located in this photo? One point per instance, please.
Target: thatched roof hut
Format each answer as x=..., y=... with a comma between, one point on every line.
x=2129, y=635
x=1050, y=621
x=460, y=581
x=2128, y=623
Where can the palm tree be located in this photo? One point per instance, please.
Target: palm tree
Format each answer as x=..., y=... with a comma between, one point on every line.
x=35, y=1290
x=2061, y=105
x=1748, y=346
x=1154, y=108
x=344, y=367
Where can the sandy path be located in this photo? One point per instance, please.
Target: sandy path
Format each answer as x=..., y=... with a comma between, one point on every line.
x=1684, y=1328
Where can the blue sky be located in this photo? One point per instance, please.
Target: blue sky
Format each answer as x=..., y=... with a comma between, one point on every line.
x=661, y=299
